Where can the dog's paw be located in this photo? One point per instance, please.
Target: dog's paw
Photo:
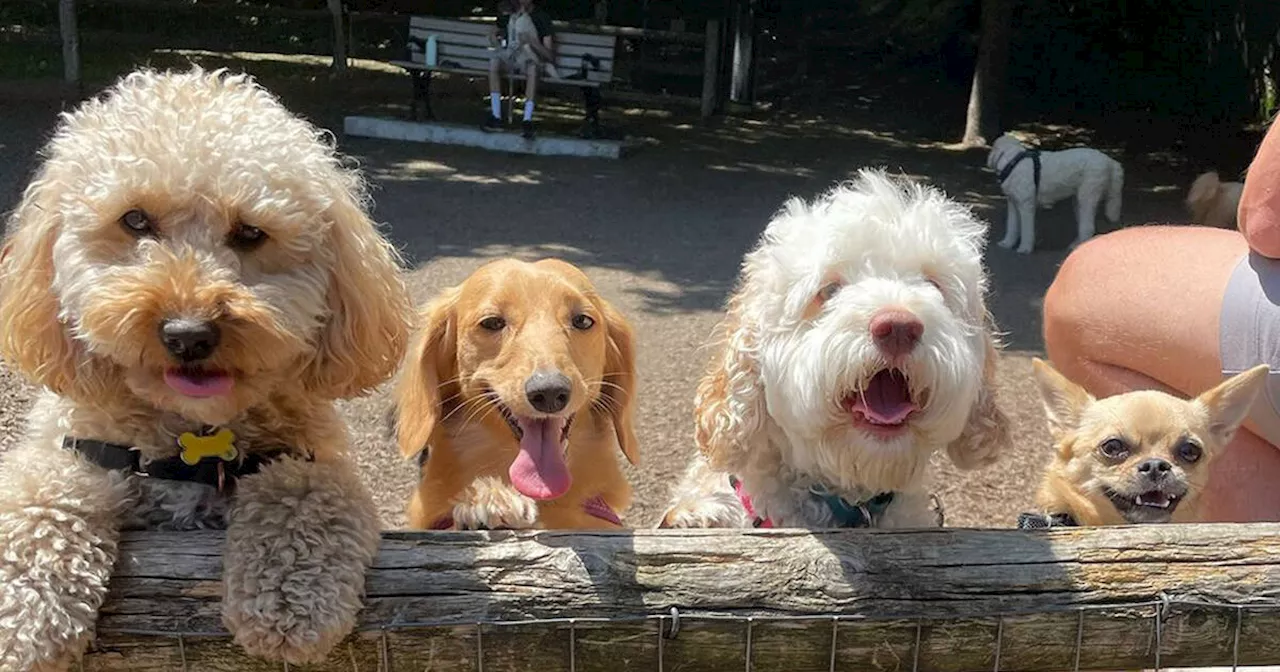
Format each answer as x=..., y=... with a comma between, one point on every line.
x=1024, y=249
x=713, y=513
x=1007, y=243
x=299, y=540
x=53, y=579
x=491, y=504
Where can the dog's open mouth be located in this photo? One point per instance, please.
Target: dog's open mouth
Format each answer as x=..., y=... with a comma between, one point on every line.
x=884, y=404
x=199, y=382
x=1144, y=507
x=539, y=470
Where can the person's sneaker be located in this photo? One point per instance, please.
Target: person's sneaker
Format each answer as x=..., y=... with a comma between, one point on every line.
x=526, y=129
x=491, y=124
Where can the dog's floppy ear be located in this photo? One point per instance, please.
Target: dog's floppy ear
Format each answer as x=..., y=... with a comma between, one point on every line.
x=369, y=308
x=35, y=341
x=1229, y=402
x=729, y=402
x=1064, y=401
x=432, y=361
x=619, y=388
x=986, y=433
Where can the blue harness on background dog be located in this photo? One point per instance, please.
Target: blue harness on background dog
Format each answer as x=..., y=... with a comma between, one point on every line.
x=1033, y=154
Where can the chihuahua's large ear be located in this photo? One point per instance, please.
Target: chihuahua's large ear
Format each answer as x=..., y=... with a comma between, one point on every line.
x=35, y=341
x=1229, y=403
x=370, y=310
x=986, y=433
x=729, y=402
x=1064, y=401
x=430, y=367
x=619, y=388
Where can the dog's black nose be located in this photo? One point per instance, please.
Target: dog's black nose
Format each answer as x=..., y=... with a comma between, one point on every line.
x=1154, y=468
x=547, y=392
x=190, y=340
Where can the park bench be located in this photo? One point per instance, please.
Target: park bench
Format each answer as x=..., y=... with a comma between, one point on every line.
x=584, y=60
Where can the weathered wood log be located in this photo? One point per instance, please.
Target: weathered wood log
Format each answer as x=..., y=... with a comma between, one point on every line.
x=931, y=600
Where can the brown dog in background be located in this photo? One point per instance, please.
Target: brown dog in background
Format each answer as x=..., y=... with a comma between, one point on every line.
x=516, y=393
x=1213, y=202
x=1139, y=457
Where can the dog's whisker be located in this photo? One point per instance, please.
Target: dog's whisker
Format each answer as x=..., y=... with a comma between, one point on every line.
x=469, y=402
x=482, y=409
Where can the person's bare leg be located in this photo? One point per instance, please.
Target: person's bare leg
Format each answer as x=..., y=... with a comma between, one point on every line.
x=1139, y=309
x=495, y=75
x=531, y=81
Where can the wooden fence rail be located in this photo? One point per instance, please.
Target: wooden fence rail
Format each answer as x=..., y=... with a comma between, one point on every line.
x=931, y=600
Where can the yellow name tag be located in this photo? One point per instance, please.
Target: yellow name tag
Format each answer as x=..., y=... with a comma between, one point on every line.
x=195, y=447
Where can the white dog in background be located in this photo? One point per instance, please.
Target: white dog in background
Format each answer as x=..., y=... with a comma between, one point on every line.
x=856, y=345
x=1085, y=173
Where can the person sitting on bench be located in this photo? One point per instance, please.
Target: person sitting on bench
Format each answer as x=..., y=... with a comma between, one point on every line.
x=529, y=48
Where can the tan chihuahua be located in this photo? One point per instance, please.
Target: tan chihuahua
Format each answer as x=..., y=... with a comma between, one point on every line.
x=1139, y=457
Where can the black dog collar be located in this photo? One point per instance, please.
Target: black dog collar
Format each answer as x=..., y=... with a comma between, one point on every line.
x=1033, y=154
x=1040, y=521
x=209, y=458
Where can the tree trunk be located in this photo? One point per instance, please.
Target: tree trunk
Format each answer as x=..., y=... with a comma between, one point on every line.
x=70, y=44
x=339, y=37
x=982, y=122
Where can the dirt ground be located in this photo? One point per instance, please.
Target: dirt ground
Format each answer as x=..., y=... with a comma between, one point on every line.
x=661, y=232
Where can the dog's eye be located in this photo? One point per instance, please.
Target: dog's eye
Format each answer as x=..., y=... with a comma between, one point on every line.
x=493, y=323
x=137, y=222
x=1189, y=452
x=583, y=322
x=1114, y=449
x=829, y=290
x=245, y=237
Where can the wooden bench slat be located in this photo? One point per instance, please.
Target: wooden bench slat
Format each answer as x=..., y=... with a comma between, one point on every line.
x=447, y=27
x=594, y=79
x=447, y=39
x=450, y=25
x=566, y=56
x=588, y=39
x=470, y=46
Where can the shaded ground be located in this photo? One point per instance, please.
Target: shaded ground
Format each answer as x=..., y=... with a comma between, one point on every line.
x=661, y=233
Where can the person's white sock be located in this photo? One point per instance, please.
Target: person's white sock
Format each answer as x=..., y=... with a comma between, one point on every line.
x=528, y=110
x=495, y=104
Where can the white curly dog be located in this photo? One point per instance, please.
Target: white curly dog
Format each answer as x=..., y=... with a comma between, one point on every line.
x=857, y=344
x=1031, y=178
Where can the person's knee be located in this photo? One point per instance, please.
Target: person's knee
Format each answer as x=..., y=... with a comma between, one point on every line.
x=1071, y=297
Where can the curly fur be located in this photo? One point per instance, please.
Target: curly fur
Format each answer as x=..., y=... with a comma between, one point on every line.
x=771, y=409
x=315, y=313
x=1085, y=173
x=1213, y=202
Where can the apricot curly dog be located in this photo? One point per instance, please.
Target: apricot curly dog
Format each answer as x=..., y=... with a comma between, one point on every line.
x=192, y=277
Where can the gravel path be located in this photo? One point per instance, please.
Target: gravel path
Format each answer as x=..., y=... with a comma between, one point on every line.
x=661, y=234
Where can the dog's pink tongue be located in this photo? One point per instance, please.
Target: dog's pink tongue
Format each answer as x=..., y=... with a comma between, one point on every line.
x=887, y=399
x=539, y=470
x=202, y=384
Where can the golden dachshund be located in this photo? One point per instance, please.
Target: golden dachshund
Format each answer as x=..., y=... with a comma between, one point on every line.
x=516, y=392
